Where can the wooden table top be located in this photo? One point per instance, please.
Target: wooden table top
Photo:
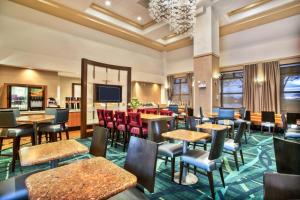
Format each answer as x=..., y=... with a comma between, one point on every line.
x=216, y=127
x=95, y=178
x=155, y=117
x=35, y=118
x=50, y=151
x=186, y=135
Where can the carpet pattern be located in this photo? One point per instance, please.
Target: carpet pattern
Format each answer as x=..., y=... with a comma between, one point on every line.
x=247, y=183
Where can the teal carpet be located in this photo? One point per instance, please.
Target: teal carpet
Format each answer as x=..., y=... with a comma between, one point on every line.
x=244, y=184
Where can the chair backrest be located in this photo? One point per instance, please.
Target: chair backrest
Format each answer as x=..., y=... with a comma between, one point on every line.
x=100, y=114
x=240, y=132
x=201, y=112
x=50, y=111
x=62, y=116
x=120, y=117
x=152, y=111
x=173, y=108
x=217, y=144
x=135, y=119
x=141, y=161
x=225, y=113
x=287, y=156
x=284, y=122
x=99, y=141
x=16, y=111
x=129, y=110
x=7, y=119
x=247, y=115
x=172, y=124
x=215, y=110
x=190, y=112
x=108, y=116
x=141, y=110
x=292, y=118
x=159, y=127
x=268, y=116
x=242, y=112
x=191, y=122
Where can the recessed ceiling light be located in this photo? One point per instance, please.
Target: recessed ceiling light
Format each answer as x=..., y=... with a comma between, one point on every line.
x=139, y=18
x=108, y=3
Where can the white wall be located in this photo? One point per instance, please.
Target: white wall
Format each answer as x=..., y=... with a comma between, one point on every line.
x=34, y=39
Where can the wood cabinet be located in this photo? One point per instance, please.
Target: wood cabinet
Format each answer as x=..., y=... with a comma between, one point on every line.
x=74, y=119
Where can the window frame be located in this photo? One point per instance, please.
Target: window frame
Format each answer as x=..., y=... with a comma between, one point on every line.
x=180, y=95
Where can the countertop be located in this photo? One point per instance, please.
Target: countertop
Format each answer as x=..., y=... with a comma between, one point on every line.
x=42, y=112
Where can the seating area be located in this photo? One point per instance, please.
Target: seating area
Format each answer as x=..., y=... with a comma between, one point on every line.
x=149, y=99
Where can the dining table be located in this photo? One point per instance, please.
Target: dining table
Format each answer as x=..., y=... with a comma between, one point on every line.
x=186, y=136
x=50, y=152
x=94, y=178
x=35, y=120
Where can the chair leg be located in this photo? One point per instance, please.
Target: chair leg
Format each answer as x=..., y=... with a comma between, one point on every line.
x=205, y=147
x=195, y=170
x=180, y=172
x=166, y=161
x=124, y=140
x=222, y=177
x=245, y=137
x=1, y=143
x=67, y=134
x=60, y=135
x=16, y=144
x=236, y=160
x=242, y=157
x=211, y=184
x=33, y=140
x=172, y=168
x=194, y=146
x=112, y=137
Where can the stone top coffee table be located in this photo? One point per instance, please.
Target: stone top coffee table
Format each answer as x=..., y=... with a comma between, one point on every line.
x=186, y=136
x=50, y=152
x=95, y=178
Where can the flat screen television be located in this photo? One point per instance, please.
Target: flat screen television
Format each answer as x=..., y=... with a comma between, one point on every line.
x=108, y=93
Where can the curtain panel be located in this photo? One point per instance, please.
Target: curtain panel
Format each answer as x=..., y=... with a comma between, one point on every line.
x=251, y=98
x=190, y=85
x=170, y=80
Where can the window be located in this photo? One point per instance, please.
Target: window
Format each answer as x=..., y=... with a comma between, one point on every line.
x=290, y=87
x=181, y=90
x=232, y=90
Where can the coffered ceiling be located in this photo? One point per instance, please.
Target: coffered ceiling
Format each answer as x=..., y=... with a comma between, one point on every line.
x=129, y=19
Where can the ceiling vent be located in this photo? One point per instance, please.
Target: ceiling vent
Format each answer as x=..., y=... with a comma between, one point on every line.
x=144, y=3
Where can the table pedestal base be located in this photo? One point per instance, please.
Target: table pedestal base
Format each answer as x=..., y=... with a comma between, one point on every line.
x=189, y=180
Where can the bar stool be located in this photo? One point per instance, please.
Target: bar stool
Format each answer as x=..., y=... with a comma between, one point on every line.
x=136, y=126
x=121, y=128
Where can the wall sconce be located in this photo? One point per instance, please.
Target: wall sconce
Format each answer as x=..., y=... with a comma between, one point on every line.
x=202, y=84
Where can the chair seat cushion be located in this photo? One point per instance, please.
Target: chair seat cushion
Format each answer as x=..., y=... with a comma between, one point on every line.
x=18, y=132
x=121, y=127
x=170, y=149
x=132, y=194
x=230, y=145
x=228, y=122
x=203, y=141
x=51, y=128
x=101, y=123
x=267, y=124
x=205, y=119
x=110, y=124
x=200, y=159
x=136, y=131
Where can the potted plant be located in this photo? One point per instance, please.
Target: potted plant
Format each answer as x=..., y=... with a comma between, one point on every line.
x=134, y=104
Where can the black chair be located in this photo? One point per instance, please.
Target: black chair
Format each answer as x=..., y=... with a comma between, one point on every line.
x=192, y=126
x=267, y=120
x=281, y=186
x=14, y=188
x=203, y=118
x=207, y=161
x=11, y=130
x=234, y=145
x=292, y=118
x=165, y=148
x=226, y=117
x=245, y=116
x=289, y=132
x=287, y=156
x=141, y=161
x=99, y=141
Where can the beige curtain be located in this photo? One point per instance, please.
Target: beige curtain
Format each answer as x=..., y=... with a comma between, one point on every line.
x=190, y=84
x=251, y=98
x=270, y=95
x=170, y=80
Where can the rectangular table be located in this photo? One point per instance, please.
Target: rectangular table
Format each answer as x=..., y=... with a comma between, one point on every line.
x=186, y=136
x=50, y=152
x=35, y=120
x=95, y=178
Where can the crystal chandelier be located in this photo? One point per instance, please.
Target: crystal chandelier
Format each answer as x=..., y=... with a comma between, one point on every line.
x=179, y=14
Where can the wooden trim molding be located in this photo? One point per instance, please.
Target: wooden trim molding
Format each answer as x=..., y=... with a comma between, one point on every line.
x=268, y=16
x=178, y=44
x=121, y=18
x=206, y=54
x=248, y=7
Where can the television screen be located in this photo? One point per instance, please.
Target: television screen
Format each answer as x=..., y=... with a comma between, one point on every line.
x=108, y=93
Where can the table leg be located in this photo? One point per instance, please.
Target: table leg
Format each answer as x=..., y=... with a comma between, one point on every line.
x=54, y=163
x=35, y=133
x=187, y=178
x=150, y=133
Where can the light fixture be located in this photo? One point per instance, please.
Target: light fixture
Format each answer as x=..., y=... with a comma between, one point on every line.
x=179, y=14
x=139, y=18
x=108, y=3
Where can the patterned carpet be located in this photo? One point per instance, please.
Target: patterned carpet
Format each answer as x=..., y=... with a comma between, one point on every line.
x=244, y=184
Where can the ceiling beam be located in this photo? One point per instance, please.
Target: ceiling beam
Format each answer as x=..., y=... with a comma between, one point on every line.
x=248, y=7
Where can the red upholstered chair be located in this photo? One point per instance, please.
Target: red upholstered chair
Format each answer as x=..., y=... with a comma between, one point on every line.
x=100, y=113
x=136, y=126
x=129, y=110
x=121, y=127
x=152, y=111
x=109, y=121
x=140, y=110
x=169, y=113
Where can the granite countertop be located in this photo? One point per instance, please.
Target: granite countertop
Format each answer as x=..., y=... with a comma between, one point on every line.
x=186, y=135
x=37, y=112
x=95, y=178
x=50, y=151
x=216, y=127
x=155, y=117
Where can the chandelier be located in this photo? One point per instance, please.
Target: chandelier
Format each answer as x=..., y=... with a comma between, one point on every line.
x=179, y=14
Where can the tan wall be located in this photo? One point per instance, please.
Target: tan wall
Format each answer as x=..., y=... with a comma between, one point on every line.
x=146, y=92
x=66, y=88
x=27, y=76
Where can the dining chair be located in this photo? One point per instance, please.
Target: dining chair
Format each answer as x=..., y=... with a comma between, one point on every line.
x=121, y=128
x=172, y=123
x=289, y=132
x=245, y=116
x=267, y=120
x=287, y=156
x=175, y=110
x=192, y=126
x=109, y=121
x=281, y=186
x=48, y=111
x=203, y=118
x=226, y=117
x=234, y=145
x=136, y=126
x=215, y=110
x=166, y=148
x=207, y=160
x=292, y=118
x=141, y=110
x=100, y=114
x=11, y=130
x=99, y=141
x=151, y=111
x=141, y=161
